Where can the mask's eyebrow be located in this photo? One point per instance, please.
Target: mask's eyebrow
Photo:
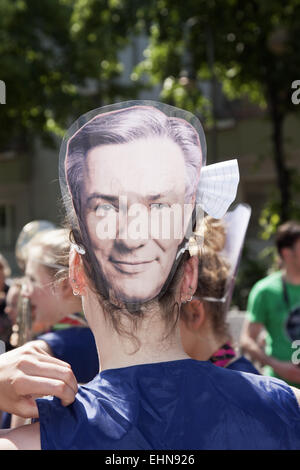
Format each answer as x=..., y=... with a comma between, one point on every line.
x=172, y=194
x=105, y=197
x=168, y=195
x=154, y=197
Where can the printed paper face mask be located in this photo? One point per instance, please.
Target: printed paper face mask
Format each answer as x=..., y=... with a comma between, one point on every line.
x=129, y=175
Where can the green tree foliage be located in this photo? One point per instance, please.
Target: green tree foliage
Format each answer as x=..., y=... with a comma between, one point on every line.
x=250, y=46
x=58, y=58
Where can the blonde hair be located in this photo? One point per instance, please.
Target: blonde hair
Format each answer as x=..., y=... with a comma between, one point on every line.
x=213, y=273
x=54, y=251
x=6, y=267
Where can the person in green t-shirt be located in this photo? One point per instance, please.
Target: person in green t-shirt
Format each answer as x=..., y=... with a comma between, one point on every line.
x=268, y=310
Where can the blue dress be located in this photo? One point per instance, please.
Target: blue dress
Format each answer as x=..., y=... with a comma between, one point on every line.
x=75, y=345
x=243, y=364
x=184, y=404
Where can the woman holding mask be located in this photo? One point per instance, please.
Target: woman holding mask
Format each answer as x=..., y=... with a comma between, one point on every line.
x=203, y=322
x=122, y=167
x=54, y=308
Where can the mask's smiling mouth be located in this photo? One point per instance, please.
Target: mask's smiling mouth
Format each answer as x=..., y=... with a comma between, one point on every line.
x=130, y=266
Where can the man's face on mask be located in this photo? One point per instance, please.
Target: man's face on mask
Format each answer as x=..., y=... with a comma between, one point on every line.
x=129, y=191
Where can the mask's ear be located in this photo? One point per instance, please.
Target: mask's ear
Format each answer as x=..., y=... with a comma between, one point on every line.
x=190, y=279
x=76, y=272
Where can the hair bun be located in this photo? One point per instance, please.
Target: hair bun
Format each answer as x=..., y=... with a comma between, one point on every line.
x=214, y=234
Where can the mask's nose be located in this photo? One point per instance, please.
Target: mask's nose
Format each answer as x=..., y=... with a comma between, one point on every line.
x=133, y=227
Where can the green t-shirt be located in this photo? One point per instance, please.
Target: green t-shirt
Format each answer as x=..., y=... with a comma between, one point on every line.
x=266, y=305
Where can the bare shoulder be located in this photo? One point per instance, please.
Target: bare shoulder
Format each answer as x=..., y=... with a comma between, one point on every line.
x=23, y=438
x=297, y=394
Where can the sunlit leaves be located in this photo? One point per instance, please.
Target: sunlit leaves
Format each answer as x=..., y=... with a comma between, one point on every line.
x=250, y=47
x=50, y=53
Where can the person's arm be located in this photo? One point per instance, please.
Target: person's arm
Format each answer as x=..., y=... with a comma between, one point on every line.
x=23, y=438
x=254, y=325
x=249, y=342
x=284, y=369
x=29, y=372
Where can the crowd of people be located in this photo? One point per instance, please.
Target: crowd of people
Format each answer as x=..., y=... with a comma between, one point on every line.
x=128, y=343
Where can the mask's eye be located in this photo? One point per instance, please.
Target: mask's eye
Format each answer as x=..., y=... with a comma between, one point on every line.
x=159, y=206
x=104, y=209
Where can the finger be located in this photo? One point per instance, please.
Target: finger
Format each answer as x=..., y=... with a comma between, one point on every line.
x=36, y=349
x=47, y=369
x=41, y=386
x=27, y=408
x=46, y=359
x=24, y=407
